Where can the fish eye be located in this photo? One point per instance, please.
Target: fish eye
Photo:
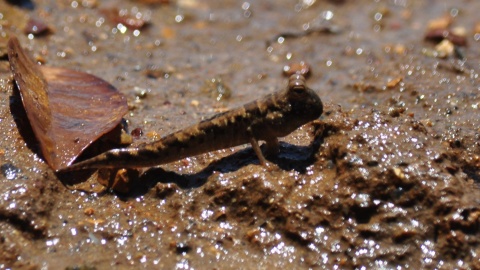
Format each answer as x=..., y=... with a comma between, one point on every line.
x=298, y=89
x=297, y=84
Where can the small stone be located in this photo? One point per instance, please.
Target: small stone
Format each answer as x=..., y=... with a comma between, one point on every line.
x=140, y=93
x=445, y=48
x=89, y=211
x=153, y=135
x=9, y=171
x=195, y=103
x=164, y=190
x=440, y=23
x=459, y=31
x=394, y=82
x=137, y=132
x=399, y=173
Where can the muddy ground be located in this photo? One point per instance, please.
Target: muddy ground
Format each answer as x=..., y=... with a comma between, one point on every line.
x=387, y=178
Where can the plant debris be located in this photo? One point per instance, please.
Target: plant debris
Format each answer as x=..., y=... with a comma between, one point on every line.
x=67, y=109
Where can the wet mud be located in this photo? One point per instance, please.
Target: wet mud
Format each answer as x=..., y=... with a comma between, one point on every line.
x=388, y=177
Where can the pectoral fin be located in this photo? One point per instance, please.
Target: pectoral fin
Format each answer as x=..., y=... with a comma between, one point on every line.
x=258, y=151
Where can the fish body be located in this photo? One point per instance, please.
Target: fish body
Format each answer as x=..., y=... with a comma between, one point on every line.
x=266, y=119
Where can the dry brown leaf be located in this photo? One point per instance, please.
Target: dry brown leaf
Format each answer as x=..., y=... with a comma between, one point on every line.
x=67, y=109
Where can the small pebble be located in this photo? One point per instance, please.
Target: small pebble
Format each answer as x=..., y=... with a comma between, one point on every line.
x=156, y=73
x=140, y=93
x=153, y=135
x=445, y=48
x=137, y=132
x=89, y=211
x=394, y=82
x=9, y=171
x=195, y=103
x=440, y=23
x=164, y=190
x=399, y=49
